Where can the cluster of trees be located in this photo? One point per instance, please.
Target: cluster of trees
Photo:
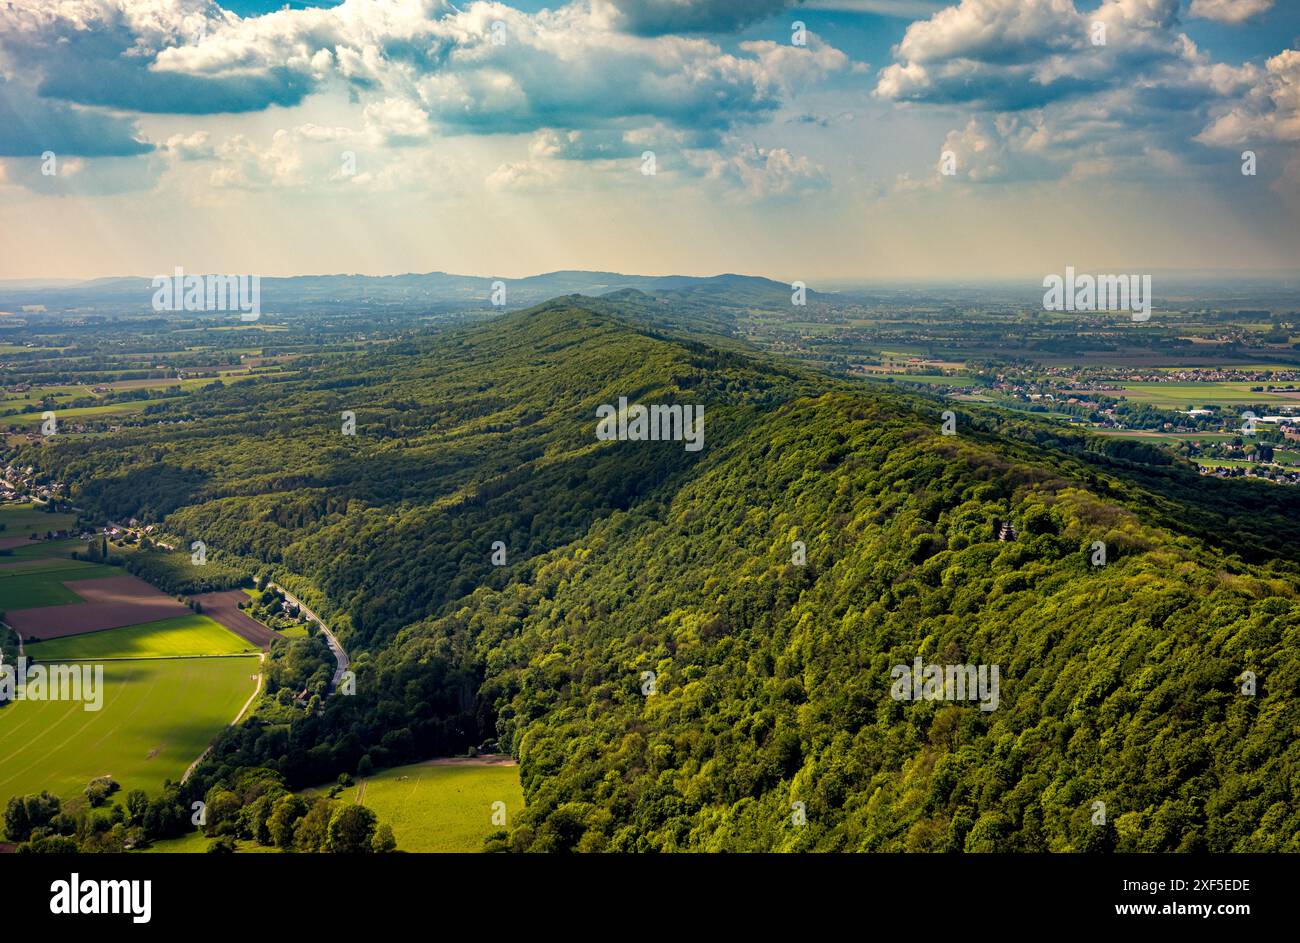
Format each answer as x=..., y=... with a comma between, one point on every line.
x=172, y=571
x=8, y=647
x=40, y=824
x=297, y=665
x=269, y=606
x=100, y=789
x=175, y=572
x=256, y=806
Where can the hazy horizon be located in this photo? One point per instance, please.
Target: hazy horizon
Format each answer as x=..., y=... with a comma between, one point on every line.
x=830, y=283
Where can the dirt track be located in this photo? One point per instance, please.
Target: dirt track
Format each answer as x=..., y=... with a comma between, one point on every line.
x=483, y=759
x=224, y=608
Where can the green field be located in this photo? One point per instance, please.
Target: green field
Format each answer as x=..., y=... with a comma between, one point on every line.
x=190, y=843
x=440, y=808
x=158, y=713
x=196, y=842
x=42, y=549
x=80, y=412
x=36, y=563
x=922, y=379
x=1183, y=395
x=443, y=808
x=39, y=394
x=184, y=635
x=21, y=519
x=157, y=717
x=41, y=584
x=1226, y=462
x=1140, y=434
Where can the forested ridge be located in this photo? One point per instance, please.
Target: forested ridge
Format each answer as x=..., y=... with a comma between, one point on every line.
x=1120, y=683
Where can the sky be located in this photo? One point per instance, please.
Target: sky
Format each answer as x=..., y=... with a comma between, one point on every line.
x=823, y=139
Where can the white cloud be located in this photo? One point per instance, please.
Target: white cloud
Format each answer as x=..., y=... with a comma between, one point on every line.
x=565, y=67
x=1229, y=11
x=244, y=165
x=1271, y=112
x=751, y=172
x=1049, y=102
x=397, y=121
x=524, y=175
x=196, y=146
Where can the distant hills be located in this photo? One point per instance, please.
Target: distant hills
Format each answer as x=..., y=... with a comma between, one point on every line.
x=433, y=290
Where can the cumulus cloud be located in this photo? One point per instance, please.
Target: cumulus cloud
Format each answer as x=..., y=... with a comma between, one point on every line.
x=989, y=150
x=601, y=144
x=561, y=69
x=1009, y=54
x=245, y=165
x=196, y=146
x=792, y=68
x=398, y=122
x=309, y=156
x=1048, y=101
x=739, y=171
x=1229, y=11
x=754, y=173
x=104, y=52
x=523, y=176
x=488, y=68
x=1270, y=112
x=492, y=69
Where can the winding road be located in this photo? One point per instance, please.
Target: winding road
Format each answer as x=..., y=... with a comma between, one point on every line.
x=340, y=656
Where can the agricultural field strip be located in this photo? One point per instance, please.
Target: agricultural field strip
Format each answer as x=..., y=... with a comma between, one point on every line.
x=114, y=602
x=109, y=700
x=96, y=659
x=257, y=689
x=190, y=636
x=113, y=693
x=27, y=588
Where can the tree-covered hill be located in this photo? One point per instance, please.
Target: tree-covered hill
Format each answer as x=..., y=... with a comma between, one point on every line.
x=460, y=441
x=1119, y=683
x=671, y=669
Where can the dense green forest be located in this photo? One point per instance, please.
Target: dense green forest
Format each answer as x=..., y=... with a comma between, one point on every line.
x=1120, y=683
